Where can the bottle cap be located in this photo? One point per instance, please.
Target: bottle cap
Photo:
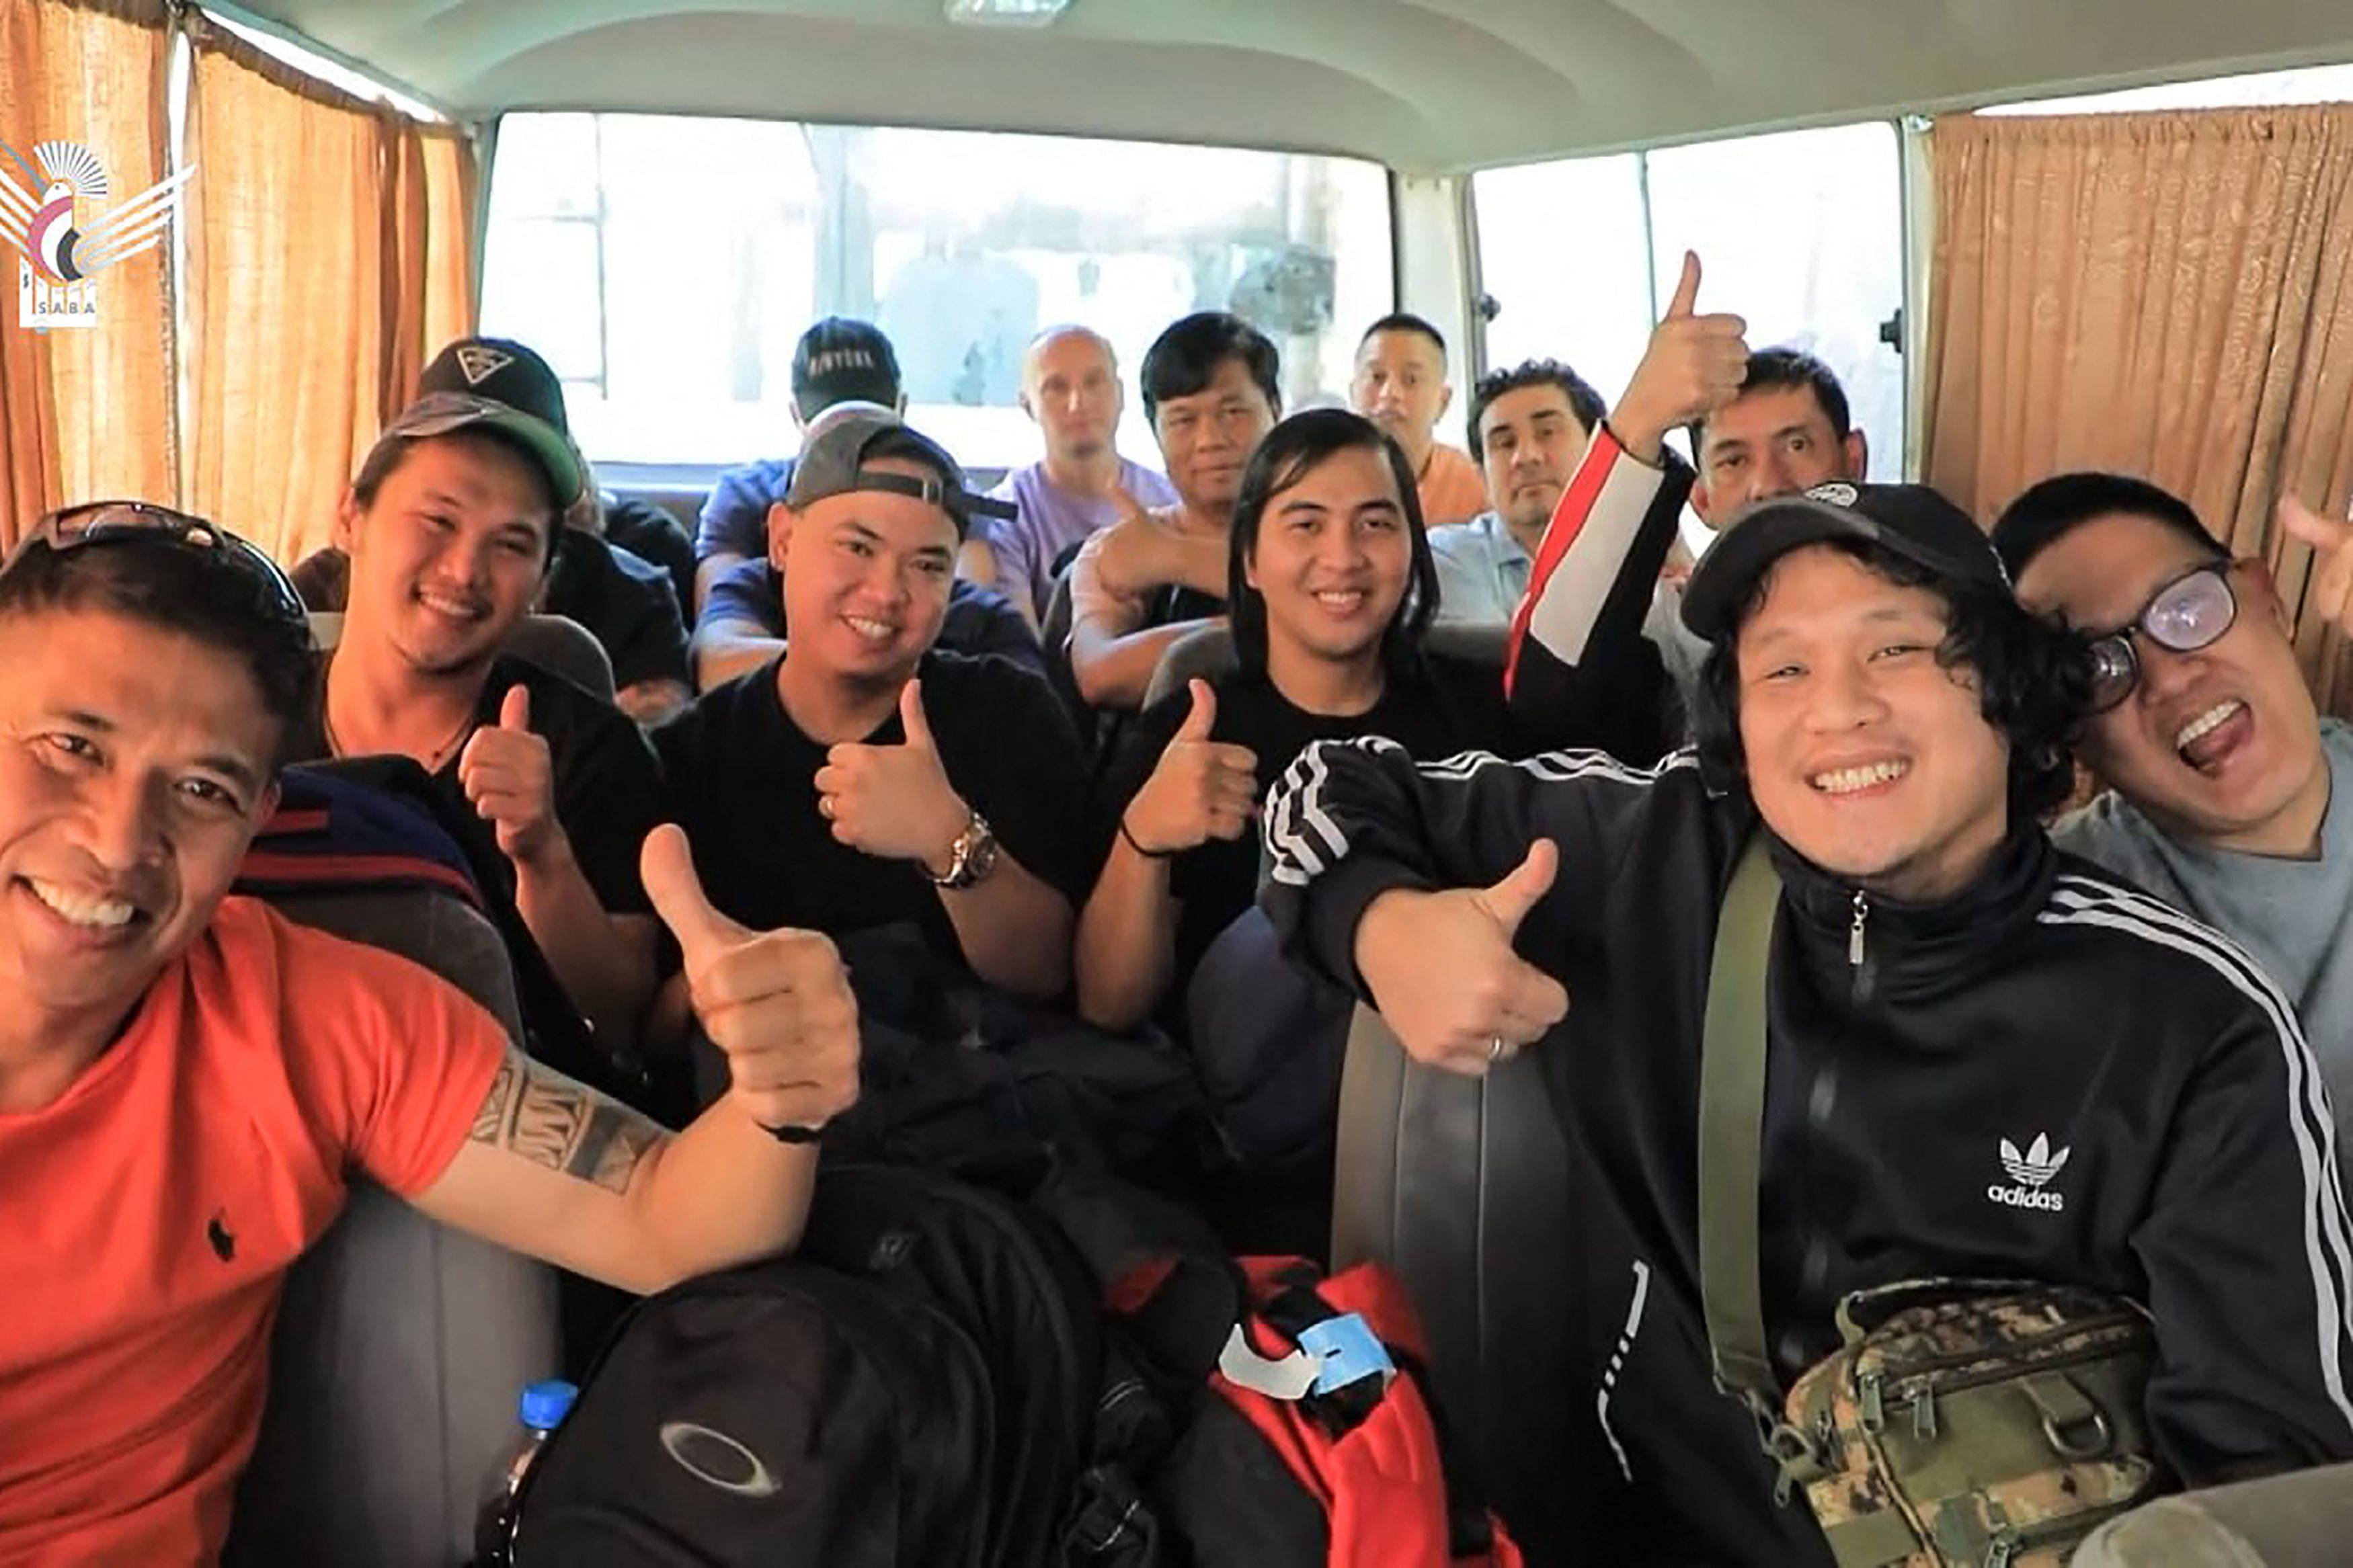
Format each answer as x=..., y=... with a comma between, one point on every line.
x=545, y=1405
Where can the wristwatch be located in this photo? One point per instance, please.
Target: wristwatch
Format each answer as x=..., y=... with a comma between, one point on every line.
x=971, y=858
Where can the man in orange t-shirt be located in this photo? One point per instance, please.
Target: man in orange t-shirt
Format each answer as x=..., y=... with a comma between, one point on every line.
x=188, y=1081
x=1401, y=385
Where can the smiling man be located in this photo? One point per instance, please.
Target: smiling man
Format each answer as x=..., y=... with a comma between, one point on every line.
x=2221, y=769
x=1883, y=715
x=861, y=778
x=451, y=526
x=189, y=1083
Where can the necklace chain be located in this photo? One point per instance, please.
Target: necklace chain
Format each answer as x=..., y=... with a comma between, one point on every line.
x=433, y=759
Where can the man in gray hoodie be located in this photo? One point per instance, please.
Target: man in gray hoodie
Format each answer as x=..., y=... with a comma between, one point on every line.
x=2220, y=767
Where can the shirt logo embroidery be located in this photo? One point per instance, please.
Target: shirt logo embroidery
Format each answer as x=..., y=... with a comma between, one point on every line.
x=2033, y=1171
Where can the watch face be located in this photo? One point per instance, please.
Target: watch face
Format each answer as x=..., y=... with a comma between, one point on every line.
x=982, y=858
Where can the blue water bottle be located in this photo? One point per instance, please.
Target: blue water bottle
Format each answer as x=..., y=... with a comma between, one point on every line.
x=542, y=1408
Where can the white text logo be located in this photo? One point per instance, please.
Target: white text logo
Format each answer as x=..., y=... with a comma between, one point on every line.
x=2032, y=1170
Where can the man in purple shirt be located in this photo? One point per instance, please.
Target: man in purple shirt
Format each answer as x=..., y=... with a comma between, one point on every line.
x=1070, y=385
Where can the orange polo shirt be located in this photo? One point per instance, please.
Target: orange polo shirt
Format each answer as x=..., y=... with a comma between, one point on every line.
x=148, y=1215
x=1451, y=488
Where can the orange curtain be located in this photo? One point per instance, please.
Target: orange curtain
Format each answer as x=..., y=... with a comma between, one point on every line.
x=330, y=250
x=87, y=412
x=2165, y=294
x=432, y=209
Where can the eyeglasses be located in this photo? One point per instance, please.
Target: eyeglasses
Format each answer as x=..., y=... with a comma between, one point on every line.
x=2190, y=613
x=131, y=521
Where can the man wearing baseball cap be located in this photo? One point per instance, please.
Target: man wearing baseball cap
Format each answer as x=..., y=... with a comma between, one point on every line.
x=450, y=525
x=861, y=778
x=837, y=360
x=1879, y=716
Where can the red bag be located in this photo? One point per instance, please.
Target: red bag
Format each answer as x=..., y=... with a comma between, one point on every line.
x=1306, y=1436
x=1365, y=1440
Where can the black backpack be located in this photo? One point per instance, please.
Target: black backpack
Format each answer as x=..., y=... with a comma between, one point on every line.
x=922, y=1386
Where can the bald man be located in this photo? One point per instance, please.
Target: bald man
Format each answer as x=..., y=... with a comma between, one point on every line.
x=1070, y=385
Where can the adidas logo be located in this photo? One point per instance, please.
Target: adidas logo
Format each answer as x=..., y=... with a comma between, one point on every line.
x=478, y=362
x=2033, y=1171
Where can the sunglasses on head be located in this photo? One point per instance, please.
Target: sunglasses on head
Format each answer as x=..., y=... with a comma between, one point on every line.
x=136, y=522
x=2188, y=614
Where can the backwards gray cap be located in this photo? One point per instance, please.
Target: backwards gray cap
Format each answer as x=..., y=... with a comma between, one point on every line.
x=832, y=463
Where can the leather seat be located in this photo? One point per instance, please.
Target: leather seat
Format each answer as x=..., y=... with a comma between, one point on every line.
x=1461, y=1186
x=400, y=1345
x=557, y=644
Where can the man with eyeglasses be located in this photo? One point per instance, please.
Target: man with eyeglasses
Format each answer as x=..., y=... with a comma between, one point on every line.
x=2218, y=765
x=188, y=1081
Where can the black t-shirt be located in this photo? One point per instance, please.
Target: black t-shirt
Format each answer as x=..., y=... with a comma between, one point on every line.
x=1452, y=706
x=626, y=603
x=743, y=780
x=650, y=533
x=609, y=790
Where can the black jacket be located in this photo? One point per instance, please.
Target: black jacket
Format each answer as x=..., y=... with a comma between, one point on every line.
x=2184, y=1137
x=2049, y=1016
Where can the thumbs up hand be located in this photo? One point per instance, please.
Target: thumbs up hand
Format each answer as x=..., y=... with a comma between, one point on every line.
x=894, y=801
x=1694, y=366
x=1443, y=973
x=1200, y=791
x=509, y=775
x=776, y=1004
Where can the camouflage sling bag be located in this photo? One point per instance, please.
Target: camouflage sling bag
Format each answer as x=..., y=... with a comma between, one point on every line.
x=1963, y=1421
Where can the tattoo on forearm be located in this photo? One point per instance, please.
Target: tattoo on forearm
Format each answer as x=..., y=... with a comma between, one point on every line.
x=551, y=1120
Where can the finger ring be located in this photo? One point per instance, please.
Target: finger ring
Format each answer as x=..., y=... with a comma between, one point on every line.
x=1495, y=1050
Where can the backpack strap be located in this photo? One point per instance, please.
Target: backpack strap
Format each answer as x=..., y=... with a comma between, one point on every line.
x=1731, y=1128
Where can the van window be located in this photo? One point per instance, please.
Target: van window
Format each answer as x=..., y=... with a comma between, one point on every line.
x=666, y=264
x=1800, y=232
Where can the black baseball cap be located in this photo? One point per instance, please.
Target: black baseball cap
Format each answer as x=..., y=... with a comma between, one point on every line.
x=496, y=383
x=840, y=360
x=831, y=463
x=1911, y=520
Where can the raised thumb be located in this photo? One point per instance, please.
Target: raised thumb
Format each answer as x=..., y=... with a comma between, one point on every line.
x=1203, y=716
x=514, y=711
x=1510, y=899
x=912, y=718
x=1686, y=300
x=666, y=865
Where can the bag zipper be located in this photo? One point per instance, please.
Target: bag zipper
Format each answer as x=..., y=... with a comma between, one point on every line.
x=1912, y=1386
x=2010, y=1541
x=1927, y=1365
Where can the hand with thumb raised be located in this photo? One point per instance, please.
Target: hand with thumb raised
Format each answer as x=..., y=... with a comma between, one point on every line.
x=1201, y=789
x=509, y=775
x=1443, y=971
x=775, y=1004
x=895, y=802
x=1694, y=366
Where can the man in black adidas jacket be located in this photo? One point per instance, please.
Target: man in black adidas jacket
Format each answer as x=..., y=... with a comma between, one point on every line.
x=1987, y=1058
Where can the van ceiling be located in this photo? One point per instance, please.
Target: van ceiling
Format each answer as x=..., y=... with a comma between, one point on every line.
x=1424, y=86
